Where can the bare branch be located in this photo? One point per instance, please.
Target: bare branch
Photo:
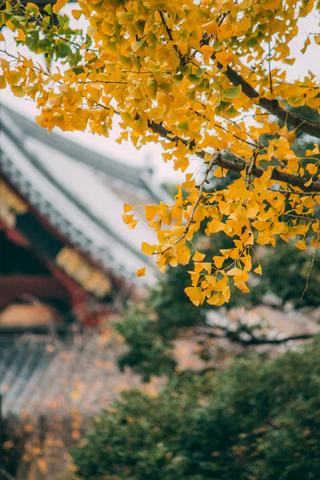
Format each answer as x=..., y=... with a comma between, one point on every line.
x=312, y=263
x=235, y=336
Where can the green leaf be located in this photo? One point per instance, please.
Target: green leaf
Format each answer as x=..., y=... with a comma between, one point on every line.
x=32, y=8
x=190, y=95
x=194, y=79
x=232, y=112
x=232, y=93
x=48, y=9
x=184, y=125
x=223, y=107
x=151, y=88
x=200, y=72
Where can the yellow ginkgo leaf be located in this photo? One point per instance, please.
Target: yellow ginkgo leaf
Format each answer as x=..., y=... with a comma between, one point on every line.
x=312, y=168
x=234, y=271
x=21, y=36
x=76, y=14
x=147, y=249
x=3, y=82
x=258, y=270
x=58, y=5
x=195, y=294
x=129, y=220
x=151, y=212
x=217, y=299
x=301, y=244
x=141, y=272
x=127, y=208
x=218, y=261
x=198, y=257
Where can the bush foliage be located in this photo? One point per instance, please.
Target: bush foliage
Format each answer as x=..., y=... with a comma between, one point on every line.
x=260, y=420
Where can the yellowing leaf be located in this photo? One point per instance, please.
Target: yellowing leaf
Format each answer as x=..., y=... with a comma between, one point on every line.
x=308, y=183
x=312, y=168
x=258, y=270
x=3, y=82
x=242, y=286
x=315, y=151
x=224, y=57
x=31, y=7
x=137, y=45
x=215, y=226
x=270, y=4
x=76, y=14
x=217, y=299
x=151, y=212
x=147, y=249
x=207, y=52
x=17, y=91
x=218, y=261
x=232, y=93
x=211, y=28
x=184, y=125
x=301, y=244
x=141, y=272
x=195, y=294
x=127, y=208
x=218, y=173
x=21, y=36
x=234, y=271
x=306, y=44
x=129, y=221
x=157, y=112
x=198, y=257
x=58, y=5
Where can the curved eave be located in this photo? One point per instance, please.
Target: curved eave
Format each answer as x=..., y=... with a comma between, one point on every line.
x=64, y=211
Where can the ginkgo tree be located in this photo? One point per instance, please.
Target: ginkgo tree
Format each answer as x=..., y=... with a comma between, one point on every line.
x=206, y=79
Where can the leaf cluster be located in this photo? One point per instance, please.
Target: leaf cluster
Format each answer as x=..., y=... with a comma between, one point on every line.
x=178, y=74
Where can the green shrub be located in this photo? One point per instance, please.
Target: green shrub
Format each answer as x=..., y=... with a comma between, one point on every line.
x=260, y=420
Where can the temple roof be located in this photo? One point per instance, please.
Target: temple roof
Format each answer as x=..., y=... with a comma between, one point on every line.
x=42, y=374
x=80, y=192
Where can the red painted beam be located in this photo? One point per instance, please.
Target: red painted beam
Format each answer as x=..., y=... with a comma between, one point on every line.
x=41, y=287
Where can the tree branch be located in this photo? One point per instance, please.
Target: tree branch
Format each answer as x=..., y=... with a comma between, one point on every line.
x=6, y=474
x=235, y=336
x=293, y=119
x=278, y=341
x=279, y=176
x=272, y=106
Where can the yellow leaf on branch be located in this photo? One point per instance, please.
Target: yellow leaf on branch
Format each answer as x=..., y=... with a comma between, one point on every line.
x=58, y=5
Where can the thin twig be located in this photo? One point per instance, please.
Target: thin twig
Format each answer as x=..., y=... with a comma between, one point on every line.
x=213, y=161
x=6, y=474
x=312, y=263
x=270, y=75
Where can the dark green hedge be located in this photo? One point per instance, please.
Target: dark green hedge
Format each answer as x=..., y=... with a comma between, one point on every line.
x=258, y=420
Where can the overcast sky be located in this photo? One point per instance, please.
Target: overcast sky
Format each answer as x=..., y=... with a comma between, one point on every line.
x=152, y=153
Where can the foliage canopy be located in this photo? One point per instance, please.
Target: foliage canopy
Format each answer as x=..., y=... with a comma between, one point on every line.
x=204, y=78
